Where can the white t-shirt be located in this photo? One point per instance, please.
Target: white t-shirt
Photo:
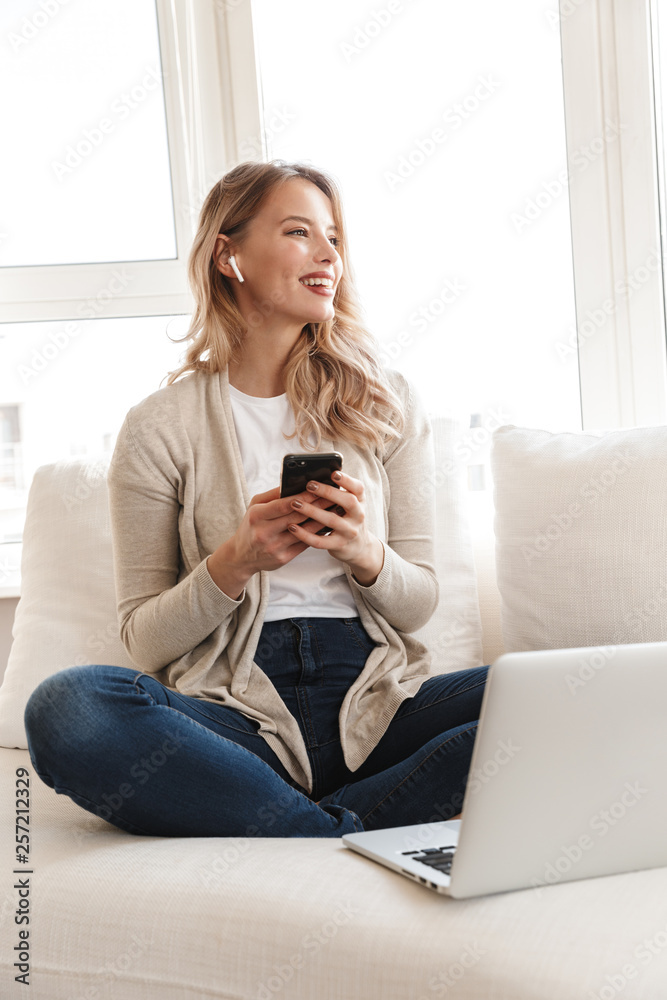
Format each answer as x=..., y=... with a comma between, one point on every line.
x=313, y=584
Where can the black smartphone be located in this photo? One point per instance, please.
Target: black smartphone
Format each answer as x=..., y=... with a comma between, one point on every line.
x=299, y=470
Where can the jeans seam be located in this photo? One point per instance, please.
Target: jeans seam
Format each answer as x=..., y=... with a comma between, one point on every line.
x=415, y=769
x=350, y=628
x=301, y=690
x=438, y=701
x=320, y=665
x=234, y=729
x=309, y=721
x=226, y=725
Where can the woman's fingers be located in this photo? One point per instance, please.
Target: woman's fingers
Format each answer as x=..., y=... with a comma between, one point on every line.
x=352, y=491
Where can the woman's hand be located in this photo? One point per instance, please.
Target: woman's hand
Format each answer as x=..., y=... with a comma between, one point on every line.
x=350, y=540
x=261, y=541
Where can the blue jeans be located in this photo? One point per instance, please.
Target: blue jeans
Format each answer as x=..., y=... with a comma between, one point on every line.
x=152, y=761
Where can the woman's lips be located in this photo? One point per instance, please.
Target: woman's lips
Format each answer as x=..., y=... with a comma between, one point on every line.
x=319, y=289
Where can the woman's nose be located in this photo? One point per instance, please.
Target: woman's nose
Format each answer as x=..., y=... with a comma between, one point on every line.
x=329, y=252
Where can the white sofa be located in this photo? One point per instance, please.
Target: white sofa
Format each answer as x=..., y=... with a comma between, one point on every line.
x=581, y=540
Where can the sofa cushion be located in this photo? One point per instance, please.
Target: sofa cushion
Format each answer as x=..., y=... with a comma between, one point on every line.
x=66, y=615
x=581, y=536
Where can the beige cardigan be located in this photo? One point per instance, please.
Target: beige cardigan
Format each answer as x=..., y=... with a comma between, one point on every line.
x=177, y=490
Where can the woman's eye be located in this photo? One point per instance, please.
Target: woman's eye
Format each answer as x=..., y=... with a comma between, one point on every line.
x=334, y=240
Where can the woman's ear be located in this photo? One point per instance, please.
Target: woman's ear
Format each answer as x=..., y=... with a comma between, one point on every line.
x=225, y=261
x=223, y=250
x=221, y=254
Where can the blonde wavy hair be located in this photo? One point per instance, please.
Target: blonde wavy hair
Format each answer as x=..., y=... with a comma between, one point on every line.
x=333, y=380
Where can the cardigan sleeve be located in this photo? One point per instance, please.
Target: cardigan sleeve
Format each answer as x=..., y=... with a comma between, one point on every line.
x=160, y=617
x=406, y=589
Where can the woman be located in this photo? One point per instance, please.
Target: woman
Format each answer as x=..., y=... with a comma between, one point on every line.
x=278, y=690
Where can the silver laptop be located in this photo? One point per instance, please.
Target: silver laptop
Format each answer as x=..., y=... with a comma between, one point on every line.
x=568, y=778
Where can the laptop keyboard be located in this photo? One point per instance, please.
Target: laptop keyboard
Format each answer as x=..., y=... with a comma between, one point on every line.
x=435, y=857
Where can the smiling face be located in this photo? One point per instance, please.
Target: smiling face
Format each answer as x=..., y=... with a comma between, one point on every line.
x=291, y=237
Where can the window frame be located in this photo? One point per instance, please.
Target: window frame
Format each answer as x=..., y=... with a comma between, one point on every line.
x=212, y=104
x=614, y=210
x=608, y=75
x=212, y=88
x=212, y=92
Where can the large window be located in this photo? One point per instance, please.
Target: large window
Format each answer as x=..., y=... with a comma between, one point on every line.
x=104, y=155
x=90, y=233
x=444, y=125
x=609, y=83
x=93, y=159
x=498, y=164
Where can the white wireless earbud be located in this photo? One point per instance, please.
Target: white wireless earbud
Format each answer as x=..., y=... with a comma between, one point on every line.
x=238, y=274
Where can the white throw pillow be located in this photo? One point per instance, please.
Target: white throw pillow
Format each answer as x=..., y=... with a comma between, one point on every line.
x=581, y=536
x=67, y=612
x=66, y=615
